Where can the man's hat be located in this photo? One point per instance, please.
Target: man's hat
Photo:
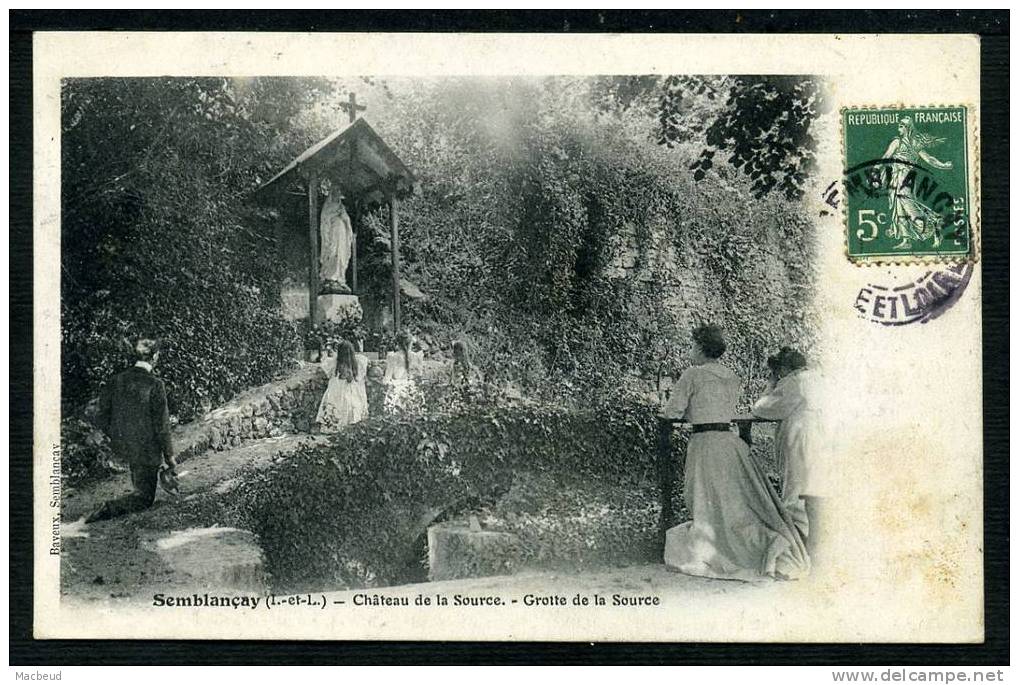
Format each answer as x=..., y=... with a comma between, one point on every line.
x=168, y=481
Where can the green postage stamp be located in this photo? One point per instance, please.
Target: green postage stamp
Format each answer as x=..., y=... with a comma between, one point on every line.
x=907, y=184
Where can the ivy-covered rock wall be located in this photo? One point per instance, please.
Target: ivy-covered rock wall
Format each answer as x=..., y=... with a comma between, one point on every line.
x=573, y=250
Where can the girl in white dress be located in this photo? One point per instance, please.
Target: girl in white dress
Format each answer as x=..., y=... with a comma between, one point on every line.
x=799, y=446
x=345, y=400
x=739, y=528
x=402, y=392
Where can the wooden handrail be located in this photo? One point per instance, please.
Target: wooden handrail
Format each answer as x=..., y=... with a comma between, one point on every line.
x=739, y=418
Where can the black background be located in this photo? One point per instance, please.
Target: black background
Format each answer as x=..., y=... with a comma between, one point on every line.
x=993, y=26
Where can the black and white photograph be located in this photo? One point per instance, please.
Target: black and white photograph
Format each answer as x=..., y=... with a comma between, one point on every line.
x=576, y=350
x=328, y=359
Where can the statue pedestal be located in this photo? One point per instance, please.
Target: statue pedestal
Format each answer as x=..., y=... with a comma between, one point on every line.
x=337, y=307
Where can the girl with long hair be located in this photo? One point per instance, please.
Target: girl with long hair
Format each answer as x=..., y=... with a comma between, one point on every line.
x=402, y=366
x=345, y=400
x=465, y=380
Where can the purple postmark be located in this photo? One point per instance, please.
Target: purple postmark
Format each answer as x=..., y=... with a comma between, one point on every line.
x=918, y=301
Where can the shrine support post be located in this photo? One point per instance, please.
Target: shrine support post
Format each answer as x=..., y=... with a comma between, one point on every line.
x=313, y=285
x=394, y=237
x=355, y=225
x=666, y=477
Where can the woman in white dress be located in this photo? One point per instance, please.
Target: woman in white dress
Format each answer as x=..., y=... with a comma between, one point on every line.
x=345, y=400
x=791, y=398
x=739, y=528
x=402, y=392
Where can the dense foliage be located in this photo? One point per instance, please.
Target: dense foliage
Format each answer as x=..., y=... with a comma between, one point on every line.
x=85, y=452
x=554, y=230
x=160, y=235
x=531, y=191
x=350, y=513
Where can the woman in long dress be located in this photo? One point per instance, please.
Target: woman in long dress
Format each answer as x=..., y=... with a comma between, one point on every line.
x=345, y=400
x=402, y=393
x=739, y=528
x=791, y=398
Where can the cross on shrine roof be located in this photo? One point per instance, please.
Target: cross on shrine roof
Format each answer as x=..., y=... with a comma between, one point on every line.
x=352, y=108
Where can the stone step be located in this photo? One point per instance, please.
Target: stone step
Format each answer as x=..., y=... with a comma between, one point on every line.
x=219, y=559
x=459, y=550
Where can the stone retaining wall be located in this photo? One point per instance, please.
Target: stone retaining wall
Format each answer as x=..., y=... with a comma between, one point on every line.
x=284, y=406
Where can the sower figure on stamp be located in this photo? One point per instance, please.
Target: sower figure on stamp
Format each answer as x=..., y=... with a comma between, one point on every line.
x=911, y=219
x=132, y=411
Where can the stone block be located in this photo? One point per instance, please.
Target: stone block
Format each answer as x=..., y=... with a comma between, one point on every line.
x=215, y=558
x=456, y=551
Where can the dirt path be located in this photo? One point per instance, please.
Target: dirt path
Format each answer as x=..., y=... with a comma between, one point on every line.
x=113, y=560
x=196, y=475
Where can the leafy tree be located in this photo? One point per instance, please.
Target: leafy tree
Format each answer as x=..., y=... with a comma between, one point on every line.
x=764, y=126
x=531, y=188
x=159, y=233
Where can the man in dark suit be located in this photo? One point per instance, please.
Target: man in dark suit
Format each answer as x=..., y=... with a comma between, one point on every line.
x=132, y=411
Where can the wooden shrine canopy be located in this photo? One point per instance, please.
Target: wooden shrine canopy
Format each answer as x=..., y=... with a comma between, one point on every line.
x=357, y=159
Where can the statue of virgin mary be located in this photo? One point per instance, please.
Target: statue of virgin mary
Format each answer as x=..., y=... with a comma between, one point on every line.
x=337, y=238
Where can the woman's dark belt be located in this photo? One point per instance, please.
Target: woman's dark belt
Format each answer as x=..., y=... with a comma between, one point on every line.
x=712, y=427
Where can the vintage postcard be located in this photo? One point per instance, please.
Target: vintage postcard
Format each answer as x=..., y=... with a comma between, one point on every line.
x=508, y=337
